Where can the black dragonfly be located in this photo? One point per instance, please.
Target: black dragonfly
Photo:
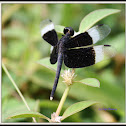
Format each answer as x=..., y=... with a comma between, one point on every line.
x=77, y=50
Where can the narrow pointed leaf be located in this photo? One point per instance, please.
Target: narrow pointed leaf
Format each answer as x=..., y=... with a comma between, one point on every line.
x=29, y=114
x=90, y=82
x=95, y=16
x=76, y=108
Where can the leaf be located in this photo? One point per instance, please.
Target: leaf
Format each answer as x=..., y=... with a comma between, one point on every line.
x=46, y=63
x=95, y=16
x=90, y=82
x=16, y=107
x=76, y=108
x=59, y=28
x=29, y=114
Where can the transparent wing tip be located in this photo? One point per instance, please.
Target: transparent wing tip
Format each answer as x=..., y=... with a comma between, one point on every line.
x=44, y=23
x=109, y=51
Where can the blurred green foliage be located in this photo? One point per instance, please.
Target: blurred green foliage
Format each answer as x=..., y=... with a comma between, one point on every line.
x=22, y=46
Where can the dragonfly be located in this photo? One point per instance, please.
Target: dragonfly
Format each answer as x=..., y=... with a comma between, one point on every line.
x=75, y=50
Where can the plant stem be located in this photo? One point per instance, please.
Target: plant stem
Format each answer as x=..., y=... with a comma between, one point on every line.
x=62, y=100
x=14, y=84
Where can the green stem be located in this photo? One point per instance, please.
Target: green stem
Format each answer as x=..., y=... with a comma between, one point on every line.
x=14, y=84
x=62, y=100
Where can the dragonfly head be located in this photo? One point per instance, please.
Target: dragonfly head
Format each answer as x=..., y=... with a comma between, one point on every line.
x=69, y=30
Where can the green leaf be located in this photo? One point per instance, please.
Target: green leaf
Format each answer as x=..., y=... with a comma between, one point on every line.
x=46, y=63
x=29, y=114
x=76, y=108
x=16, y=107
x=59, y=28
x=95, y=16
x=90, y=82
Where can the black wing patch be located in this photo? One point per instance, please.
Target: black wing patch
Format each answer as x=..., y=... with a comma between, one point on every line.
x=51, y=37
x=82, y=39
x=54, y=55
x=77, y=58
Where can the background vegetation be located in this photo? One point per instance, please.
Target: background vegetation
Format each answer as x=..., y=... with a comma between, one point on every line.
x=22, y=46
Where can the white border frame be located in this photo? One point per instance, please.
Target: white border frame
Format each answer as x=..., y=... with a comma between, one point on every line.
x=65, y=2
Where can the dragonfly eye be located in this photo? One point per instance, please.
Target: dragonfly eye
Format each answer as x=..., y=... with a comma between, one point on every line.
x=70, y=30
